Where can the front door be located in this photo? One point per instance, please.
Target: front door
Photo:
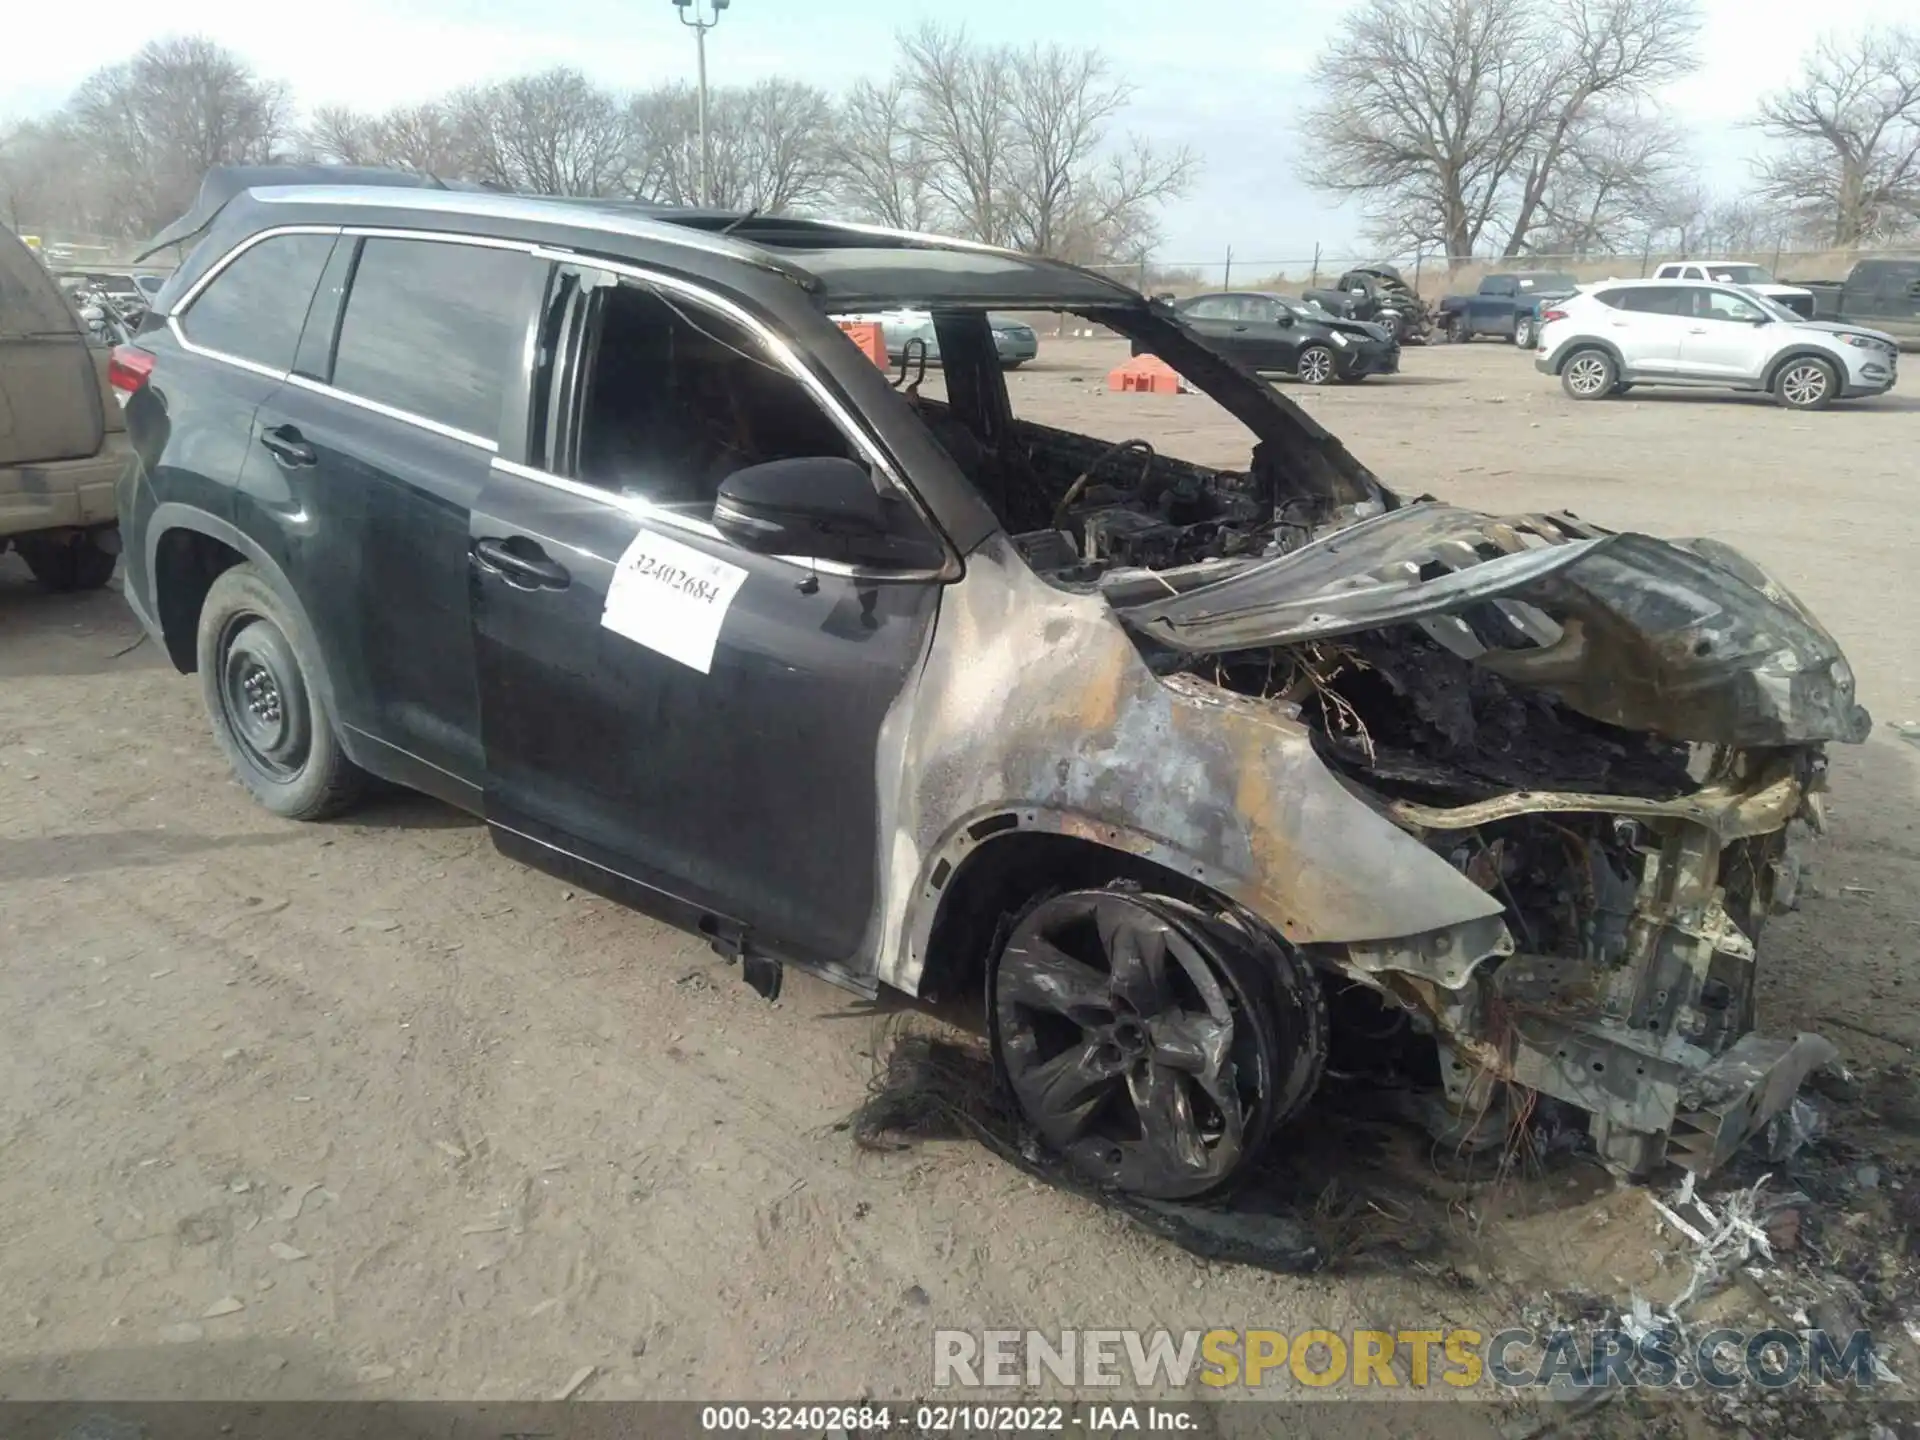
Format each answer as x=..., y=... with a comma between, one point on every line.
x=698, y=724
x=1728, y=338
x=1649, y=325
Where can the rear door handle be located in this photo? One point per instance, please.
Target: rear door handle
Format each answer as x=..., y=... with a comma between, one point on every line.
x=287, y=445
x=528, y=571
x=1698, y=330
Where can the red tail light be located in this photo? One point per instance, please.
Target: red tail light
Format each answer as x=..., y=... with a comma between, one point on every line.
x=128, y=369
x=1547, y=317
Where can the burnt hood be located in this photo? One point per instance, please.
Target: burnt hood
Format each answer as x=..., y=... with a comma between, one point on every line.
x=1687, y=639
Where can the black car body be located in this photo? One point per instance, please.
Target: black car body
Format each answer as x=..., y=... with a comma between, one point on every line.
x=1275, y=333
x=588, y=519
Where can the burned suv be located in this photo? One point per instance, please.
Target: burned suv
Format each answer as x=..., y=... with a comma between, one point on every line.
x=587, y=518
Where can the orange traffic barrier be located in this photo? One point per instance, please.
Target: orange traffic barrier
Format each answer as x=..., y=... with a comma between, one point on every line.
x=870, y=339
x=1145, y=374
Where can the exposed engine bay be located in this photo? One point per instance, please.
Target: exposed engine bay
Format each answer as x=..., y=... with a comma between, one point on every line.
x=1608, y=734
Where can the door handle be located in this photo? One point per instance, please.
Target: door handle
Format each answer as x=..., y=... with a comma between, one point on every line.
x=287, y=445
x=1698, y=330
x=528, y=572
x=1238, y=328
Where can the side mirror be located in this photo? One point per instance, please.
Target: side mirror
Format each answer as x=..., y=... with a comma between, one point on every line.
x=820, y=508
x=1284, y=319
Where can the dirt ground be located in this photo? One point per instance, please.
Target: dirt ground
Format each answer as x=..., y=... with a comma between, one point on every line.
x=364, y=1109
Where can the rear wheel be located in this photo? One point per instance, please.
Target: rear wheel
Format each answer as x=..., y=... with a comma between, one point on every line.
x=258, y=677
x=79, y=563
x=1589, y=375
x=1523, y=332
x=1808, y=383
x=1317, y=365
x=1153, y=1046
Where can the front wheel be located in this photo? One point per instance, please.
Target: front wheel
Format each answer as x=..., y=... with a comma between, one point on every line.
x=1523, y=334
x=259, y=678
x=62, y=565
x=1317, y=365
x=1808, y=383
x=1589, y=375
x=1154, y=1047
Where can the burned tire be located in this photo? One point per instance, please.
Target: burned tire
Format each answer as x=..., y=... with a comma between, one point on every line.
x=64, y=565
x=258, y=678
x=1806, y=383
x=1317, y=365
x=1152, y=1046
x=1589, y=375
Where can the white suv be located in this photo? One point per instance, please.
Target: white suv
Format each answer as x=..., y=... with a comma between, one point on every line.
x=1623, y=333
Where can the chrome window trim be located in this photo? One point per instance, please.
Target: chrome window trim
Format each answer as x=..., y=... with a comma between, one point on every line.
x=288, y=377
x=405, y=417
x=642, y=510
x=790, y=361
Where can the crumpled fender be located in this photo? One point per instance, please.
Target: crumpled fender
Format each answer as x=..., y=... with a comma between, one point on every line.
x=1034, y=703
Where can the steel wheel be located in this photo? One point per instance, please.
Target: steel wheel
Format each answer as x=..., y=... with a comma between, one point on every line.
x=1523, y=334
x=1138, y=1041
x=1589, y=375
x=1805, y=385
x=263, y=697
x=1316, y=365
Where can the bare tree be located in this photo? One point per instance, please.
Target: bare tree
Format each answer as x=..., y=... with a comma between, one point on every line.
x=340, y=135
x=1617, y=170
x=152, y=127
x=1013, y=147
x=884, y=170
x=1851, y=127
x=554, y=133
x=772, y=146
x=1452, y=119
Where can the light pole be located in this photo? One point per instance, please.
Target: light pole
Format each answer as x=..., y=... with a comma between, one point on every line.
x=693, y=15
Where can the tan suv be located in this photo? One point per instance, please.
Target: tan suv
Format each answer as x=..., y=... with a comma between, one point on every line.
x=62, y=439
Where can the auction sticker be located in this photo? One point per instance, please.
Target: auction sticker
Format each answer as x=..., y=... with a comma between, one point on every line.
x=671, y=598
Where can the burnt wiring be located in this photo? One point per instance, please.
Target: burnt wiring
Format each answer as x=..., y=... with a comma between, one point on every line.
x=1078, y=487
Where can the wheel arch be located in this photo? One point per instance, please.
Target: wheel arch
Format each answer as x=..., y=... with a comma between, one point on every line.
x=997, y=863
x=187, y=550
x=1803, y=352
x=1557, y=363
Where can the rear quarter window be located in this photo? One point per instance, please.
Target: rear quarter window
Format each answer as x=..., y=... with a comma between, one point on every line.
x=434, y=328
x=253, y=308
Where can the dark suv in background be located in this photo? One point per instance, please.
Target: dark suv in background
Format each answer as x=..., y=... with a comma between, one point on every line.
x=588, y=518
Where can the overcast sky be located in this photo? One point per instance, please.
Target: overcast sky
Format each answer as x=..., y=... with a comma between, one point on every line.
x=1225, y=77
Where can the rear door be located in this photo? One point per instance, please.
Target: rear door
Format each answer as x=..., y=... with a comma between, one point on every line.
x=364, y=471
x=50, y=401
x=1491, y=310
x=708, y=750
x=1649, y=325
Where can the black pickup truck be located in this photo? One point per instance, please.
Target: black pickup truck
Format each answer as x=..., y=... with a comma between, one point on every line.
x=1880, y=295
x=1506, y=305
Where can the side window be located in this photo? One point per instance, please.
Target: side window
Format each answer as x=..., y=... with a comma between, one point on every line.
x=1260, y=312
x=1667, y=272
x=1656, y=300
x=1692, y=272
x=1613, y=299
x=434, y=328
x=1213, y=307
x=255, y=307
x=1723, y=305
x=1498, y=285
x=676, y=398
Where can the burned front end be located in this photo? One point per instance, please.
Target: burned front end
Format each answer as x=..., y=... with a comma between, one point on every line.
x=1616, y=738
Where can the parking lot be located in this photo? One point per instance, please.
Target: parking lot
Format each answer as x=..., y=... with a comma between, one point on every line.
x=362, y=1108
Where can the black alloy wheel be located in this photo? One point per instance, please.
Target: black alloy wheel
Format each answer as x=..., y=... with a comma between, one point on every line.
x=1152, y=1046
